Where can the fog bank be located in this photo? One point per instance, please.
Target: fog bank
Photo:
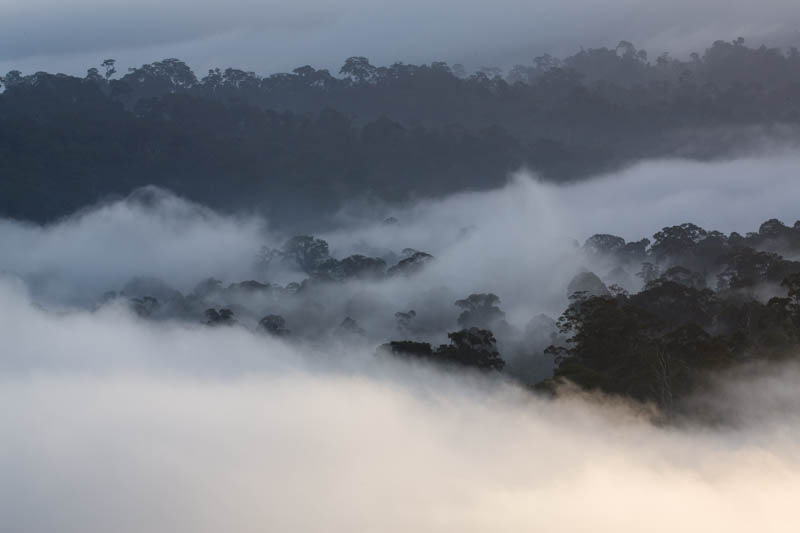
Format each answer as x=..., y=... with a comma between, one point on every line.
x=116, y=422
x=518, y=241
x=112, y=423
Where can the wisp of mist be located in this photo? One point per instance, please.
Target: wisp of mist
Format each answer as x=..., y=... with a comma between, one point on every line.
x=116, y=423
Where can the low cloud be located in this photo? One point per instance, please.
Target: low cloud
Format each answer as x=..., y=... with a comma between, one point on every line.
x=114, y=422
x=518, y=241
x=117, y=424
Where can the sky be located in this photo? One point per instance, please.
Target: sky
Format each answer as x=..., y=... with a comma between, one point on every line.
x=274, y=35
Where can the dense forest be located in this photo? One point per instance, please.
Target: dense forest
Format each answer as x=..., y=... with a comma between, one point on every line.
x=657, y=322
x=298, y=145
x=652, y=324
x=350, y=265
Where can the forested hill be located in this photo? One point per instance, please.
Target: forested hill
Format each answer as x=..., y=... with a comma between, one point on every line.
x=299, y=144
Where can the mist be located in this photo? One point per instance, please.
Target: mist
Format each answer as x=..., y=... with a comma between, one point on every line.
x=118, y=422
x=112, y=422
x=528, y=230
x=370, y=266
x=275, y=36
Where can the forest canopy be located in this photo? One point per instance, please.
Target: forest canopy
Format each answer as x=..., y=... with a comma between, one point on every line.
x=299, y=145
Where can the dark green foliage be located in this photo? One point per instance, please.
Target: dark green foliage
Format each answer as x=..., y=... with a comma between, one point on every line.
x=410, y=349
x=676, y=304
x=274, y=325
x=684, y=276
x=145, y=306
x=305, y=253
x=472, y=347
x=659, y=345
x=587, y=283
x=479, y=310
x=312, y=257
x=410, y=265
x=251, y=286
x=618, y=346
x=352, y=267
x=746, y=267
x=207, y=287
x=221, y=317
x=299, y=144
x=604, y=244
x=676, y=241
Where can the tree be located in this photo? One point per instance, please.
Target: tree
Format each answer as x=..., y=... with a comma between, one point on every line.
x=745, y=267
x=479, y=310
x=145, y=306
x=162, y=77
x=674, y=241
x=604, y=244
x=12, y=79
x=222, y=317
x=587, y=283
x=275, y=325
x=472, y=347
x=792, y=285
x=410, y=265
x=352, y=267
x=439, y=133
x=649, y=272
x=421, y=350
x=606, y=338
x=305, y=252
x=207, y=287
x=684, y=276
x=108, y=65
x=93, y=75
x=359, y=70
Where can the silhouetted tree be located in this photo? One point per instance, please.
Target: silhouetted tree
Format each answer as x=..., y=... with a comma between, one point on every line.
x=221, y=317
x=274, y=325
x=479, y=310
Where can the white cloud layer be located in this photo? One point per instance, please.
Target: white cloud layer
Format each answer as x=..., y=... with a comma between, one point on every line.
x=517, y=241
x=114, y=424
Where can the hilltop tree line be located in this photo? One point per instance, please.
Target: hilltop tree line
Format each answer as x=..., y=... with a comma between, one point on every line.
x=300, y=144
x=710, y=302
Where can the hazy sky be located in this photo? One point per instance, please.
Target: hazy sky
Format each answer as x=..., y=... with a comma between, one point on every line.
x=272, y=35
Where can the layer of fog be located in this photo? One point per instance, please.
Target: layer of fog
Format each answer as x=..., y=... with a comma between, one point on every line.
x=115, y=422
x=518, y=242
x=269, y=36
x=112, y=423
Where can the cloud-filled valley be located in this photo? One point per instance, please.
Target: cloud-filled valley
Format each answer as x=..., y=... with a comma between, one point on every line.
x=345, y=266
x=126, y=425
x=527, y=230
x=116, y=421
